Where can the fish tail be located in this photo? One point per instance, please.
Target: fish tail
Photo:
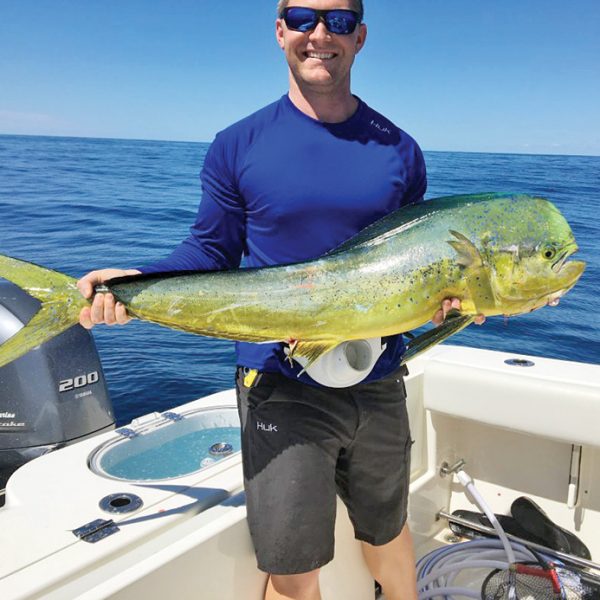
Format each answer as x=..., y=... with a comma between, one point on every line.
x=60, y=300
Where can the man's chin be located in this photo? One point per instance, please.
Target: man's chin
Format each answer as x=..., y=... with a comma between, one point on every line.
x=317, y=77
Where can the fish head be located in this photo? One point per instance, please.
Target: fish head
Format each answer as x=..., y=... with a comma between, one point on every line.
x=529, y=261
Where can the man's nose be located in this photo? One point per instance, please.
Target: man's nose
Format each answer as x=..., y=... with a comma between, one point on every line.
x=320, y=31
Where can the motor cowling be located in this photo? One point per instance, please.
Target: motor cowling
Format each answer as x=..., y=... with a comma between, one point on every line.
x=52, y=396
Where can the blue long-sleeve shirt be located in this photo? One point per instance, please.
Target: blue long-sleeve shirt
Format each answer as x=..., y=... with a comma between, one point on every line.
x=280, y=187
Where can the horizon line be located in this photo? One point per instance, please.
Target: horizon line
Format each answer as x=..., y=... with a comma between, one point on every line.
x=135, y=139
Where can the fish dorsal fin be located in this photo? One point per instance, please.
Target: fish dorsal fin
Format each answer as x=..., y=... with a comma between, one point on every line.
x=408, y=216
x=380, y=230
x=468, y=254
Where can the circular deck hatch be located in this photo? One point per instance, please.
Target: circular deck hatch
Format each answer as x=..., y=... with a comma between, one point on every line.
x=169, y=448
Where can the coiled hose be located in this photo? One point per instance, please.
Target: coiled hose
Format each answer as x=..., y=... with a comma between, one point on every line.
x=437, y=571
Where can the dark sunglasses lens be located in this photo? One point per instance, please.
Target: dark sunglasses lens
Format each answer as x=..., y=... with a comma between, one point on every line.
x=300, y=19
x=341, y=21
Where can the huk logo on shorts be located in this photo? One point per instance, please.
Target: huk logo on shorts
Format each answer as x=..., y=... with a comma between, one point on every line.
x=268, y=428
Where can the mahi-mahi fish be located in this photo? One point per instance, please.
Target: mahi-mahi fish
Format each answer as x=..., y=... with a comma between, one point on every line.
x=500, y=254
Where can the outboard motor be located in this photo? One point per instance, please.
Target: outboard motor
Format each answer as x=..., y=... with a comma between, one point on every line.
x=52, y=396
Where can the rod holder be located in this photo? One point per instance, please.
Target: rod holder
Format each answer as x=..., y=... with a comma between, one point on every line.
x=447, y=469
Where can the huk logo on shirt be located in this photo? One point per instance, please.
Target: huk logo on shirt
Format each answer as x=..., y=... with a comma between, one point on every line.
x=380, y=127
x=264, y=427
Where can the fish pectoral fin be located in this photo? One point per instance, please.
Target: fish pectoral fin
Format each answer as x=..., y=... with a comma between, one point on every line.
x=311, y=351
x=454, y=322
x=468, y=254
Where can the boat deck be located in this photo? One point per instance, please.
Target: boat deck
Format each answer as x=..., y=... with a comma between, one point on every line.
x=522, y=431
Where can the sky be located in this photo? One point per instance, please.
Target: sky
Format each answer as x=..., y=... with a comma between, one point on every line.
x=460, y=75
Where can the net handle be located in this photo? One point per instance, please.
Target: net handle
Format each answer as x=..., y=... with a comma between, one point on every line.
x=539, y=572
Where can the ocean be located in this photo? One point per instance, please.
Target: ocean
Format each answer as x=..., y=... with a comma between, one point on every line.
x=77, y=204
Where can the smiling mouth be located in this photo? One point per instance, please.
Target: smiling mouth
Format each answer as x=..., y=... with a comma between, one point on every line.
x=320, y=55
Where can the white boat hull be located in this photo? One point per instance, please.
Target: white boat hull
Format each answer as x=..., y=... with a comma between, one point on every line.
x=514, y=426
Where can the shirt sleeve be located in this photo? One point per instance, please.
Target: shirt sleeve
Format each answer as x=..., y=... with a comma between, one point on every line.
x=417, y=186
x=216, y=239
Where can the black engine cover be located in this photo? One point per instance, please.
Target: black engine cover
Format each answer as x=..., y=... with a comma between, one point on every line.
x=52, y=396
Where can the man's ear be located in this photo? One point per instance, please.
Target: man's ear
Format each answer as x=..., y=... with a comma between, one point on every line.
x=279, y=33
x=362, y=37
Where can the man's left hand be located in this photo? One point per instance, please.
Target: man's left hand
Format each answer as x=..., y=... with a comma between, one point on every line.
x=452, y=304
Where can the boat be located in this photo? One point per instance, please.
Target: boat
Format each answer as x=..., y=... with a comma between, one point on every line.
x=118, y=515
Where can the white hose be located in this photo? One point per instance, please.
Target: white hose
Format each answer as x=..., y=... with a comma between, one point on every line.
x=437, y=571
x=481, y=503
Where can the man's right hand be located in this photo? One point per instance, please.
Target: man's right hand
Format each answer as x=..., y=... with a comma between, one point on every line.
x=104, y=309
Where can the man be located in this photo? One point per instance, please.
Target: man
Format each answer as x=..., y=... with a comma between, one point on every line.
x=287, y=184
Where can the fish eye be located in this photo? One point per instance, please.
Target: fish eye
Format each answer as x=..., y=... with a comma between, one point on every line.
x=549, y=252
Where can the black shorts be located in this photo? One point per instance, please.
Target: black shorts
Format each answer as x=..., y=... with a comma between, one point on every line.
x=301, y=445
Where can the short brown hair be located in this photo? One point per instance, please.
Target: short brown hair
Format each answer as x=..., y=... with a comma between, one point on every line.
x=357, y=5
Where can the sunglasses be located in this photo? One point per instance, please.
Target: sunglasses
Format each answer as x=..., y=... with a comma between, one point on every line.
x=339, y=20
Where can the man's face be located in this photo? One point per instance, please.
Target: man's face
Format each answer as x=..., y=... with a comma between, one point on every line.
x=317, y=58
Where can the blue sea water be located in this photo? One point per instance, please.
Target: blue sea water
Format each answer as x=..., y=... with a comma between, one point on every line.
x=75, y=204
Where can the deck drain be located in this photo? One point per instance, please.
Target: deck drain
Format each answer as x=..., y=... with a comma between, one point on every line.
x=220, y=449
x=120, y=503
x=519, y=362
